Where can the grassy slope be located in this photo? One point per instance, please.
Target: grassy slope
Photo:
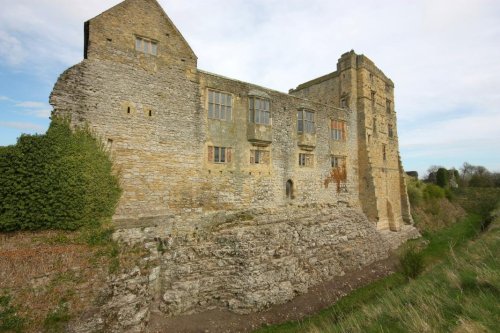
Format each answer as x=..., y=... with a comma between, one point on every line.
x=459, y=293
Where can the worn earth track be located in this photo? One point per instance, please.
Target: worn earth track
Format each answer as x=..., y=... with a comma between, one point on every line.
x=316, y=299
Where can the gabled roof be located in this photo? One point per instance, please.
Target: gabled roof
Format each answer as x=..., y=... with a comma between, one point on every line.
x=162, y=12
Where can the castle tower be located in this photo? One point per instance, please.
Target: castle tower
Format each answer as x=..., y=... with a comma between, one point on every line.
x=361, y=87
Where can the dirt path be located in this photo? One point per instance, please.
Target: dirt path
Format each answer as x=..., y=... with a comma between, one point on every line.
x=318, y=297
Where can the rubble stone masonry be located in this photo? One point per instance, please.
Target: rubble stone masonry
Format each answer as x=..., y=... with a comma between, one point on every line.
x=318, y=179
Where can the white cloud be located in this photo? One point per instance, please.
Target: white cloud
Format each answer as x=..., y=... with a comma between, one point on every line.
x=4, y=98
x=11, y=50
x=36, y=109
x=24, y=126
x=29, y=104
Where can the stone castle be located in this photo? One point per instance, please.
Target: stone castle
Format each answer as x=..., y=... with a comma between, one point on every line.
x=311, y=178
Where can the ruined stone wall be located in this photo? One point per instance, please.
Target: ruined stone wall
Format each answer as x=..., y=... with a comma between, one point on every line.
x=152, y=125
x=363, y=88
x=226, y=234
x=155, y=125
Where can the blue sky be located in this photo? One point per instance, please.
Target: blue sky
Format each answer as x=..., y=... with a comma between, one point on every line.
x=443, y=56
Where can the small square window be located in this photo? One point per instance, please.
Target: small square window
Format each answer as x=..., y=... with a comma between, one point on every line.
x=338, y=161
x=146, y=45
x=306, y=160
x=259, y=156
x=219, y=154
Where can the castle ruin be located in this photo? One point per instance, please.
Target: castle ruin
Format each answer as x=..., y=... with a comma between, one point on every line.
x=275, y=191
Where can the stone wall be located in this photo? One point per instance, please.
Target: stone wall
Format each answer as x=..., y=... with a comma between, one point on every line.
x=154, y=122
x=242, y=261
x=112, y=36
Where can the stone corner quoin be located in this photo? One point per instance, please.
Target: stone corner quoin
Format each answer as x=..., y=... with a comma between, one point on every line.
x=235, y=177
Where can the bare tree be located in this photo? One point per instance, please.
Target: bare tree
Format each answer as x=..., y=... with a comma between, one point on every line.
x=467, y=170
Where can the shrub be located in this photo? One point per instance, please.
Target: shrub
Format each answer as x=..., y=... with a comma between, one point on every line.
x=60, y=180
x=432, y=191
x=414, y=195
x=414, y=191
x=411, y=261
x=442, y=177
x=449, y=194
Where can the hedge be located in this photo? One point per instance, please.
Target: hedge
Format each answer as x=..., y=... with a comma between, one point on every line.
x=60, y=180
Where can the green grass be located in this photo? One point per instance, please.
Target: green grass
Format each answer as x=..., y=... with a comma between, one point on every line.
x=57, y=319
x=457, y=293
x=10, y=321
x=441, y=241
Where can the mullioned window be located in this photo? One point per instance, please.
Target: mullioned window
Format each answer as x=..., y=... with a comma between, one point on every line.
x=305, y=121
x=259, y=111
x=146, y=45
x=338, y=130
x=219, y=154
x=219, y=105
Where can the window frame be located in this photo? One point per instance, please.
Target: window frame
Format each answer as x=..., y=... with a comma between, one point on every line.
x=306, y=160
x=219, y=103
x=146, y=45
x=338, y=130
x=337, y=161
x=258, y=114
x=306, y=125
x=219, y=154
x=259, y=156
x=390, y=131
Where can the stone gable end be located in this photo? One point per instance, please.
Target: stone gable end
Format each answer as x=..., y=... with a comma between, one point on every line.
x=112, y=34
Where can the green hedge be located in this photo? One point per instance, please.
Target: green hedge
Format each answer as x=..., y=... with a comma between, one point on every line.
x=59, y=180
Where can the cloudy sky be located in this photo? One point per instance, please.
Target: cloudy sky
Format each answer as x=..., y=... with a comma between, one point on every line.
x=443, y=56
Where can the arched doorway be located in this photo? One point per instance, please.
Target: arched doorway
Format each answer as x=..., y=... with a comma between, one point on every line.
x=289, y=189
